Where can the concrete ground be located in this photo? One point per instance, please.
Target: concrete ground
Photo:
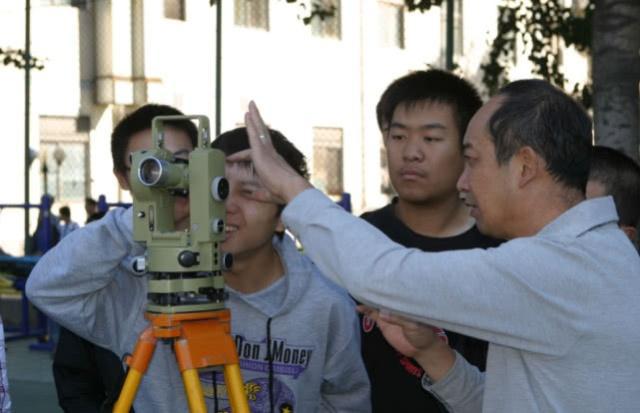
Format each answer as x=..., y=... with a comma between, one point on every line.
x=30, y=379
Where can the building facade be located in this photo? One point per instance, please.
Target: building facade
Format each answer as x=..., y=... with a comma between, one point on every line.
x=317, y=83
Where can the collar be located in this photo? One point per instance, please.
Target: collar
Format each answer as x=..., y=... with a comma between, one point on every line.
x=582, y=217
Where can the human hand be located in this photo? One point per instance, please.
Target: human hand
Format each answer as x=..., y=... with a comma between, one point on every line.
x=424, y=343
x=406, y=336
x=279, y=182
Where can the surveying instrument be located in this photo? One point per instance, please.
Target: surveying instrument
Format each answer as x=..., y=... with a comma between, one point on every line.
x=184, y=267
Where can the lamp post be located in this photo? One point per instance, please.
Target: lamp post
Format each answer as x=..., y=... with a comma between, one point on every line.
x=44, y=169
x=59, y=156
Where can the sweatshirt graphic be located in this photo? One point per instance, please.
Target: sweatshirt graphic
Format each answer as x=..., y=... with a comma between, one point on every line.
x=287, y=360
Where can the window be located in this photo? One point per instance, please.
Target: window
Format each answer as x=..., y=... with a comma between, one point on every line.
x=327, y=160
x=252, y=13
x=325, y=18
x=81, y=4
x=391, y=25
x=65, y=181
x=174, y=9
x=64, y=149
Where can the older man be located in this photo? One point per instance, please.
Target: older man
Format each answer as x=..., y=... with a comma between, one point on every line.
x=558, y=306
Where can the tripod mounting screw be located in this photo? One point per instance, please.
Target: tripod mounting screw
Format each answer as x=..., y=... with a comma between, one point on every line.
x=188, y=258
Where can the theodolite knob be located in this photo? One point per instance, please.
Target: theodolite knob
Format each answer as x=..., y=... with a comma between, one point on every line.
x=220, y=188
x=217, y=226
x=227, y=261
x=188, y=258
x=138, y=265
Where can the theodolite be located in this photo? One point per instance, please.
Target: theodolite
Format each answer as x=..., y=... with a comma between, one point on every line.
x=186, y=297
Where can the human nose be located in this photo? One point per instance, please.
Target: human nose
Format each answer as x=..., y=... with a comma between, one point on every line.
x=412, y=150
x=463, y=180
x=231, y=203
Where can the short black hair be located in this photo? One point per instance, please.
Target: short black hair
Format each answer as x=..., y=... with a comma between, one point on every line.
x=237, y=140
x=140, y=120
x=620, y=176
x=431, y=85
x=90, y=201
x=536, y=114
x=65, y=211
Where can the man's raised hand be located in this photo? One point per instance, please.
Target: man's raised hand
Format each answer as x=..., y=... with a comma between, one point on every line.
x=281, y=182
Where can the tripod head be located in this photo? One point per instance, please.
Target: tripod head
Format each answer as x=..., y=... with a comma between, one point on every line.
x=184, y=266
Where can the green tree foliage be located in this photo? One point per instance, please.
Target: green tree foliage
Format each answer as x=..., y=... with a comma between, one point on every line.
x=541, y=24
x=18, y=58
x=323, y=9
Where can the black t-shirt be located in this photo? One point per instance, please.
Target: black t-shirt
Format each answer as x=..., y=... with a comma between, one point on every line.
x=395, y=379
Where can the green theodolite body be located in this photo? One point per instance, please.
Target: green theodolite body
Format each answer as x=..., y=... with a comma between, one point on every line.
x=184, y=265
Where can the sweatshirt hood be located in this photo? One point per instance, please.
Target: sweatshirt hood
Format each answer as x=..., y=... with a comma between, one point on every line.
x=297, y=277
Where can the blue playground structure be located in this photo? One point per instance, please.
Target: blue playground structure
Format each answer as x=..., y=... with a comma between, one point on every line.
x=43, y=239
x=20, y=267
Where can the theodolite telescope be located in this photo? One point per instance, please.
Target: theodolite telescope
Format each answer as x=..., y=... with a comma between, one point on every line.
x=184, y=266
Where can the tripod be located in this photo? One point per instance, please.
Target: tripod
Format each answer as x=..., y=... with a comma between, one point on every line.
x=194, y=336
x=185, y=283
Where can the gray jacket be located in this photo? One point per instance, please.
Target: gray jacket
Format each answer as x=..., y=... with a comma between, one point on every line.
x=560, y=309
x=85, y=283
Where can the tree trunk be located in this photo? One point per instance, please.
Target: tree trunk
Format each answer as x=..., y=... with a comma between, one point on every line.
x=616, y=74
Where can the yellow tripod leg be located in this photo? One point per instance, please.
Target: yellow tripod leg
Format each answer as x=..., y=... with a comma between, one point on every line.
x=128, y=392
x=137, y=367
x=194, y=391
x=235, y=389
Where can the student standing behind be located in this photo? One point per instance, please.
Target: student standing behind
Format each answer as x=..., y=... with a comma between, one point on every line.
x=614, y=173
x=88, y=375
x=422, y=117
x=296, y=332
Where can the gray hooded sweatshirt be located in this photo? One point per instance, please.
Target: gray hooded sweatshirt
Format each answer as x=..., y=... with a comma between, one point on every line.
x=307, y=323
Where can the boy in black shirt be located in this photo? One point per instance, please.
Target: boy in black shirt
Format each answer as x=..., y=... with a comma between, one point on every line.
x=422, y=117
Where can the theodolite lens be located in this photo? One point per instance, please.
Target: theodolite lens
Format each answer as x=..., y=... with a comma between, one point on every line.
x=150, y=171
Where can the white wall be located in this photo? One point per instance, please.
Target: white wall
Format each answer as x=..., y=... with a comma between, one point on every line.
x=299, y=81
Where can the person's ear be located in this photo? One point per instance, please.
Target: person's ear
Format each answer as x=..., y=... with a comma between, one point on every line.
x=631, y=232
x=528, y=164
x=123, y=180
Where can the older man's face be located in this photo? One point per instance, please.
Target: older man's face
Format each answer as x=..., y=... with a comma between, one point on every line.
x=485, y=186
